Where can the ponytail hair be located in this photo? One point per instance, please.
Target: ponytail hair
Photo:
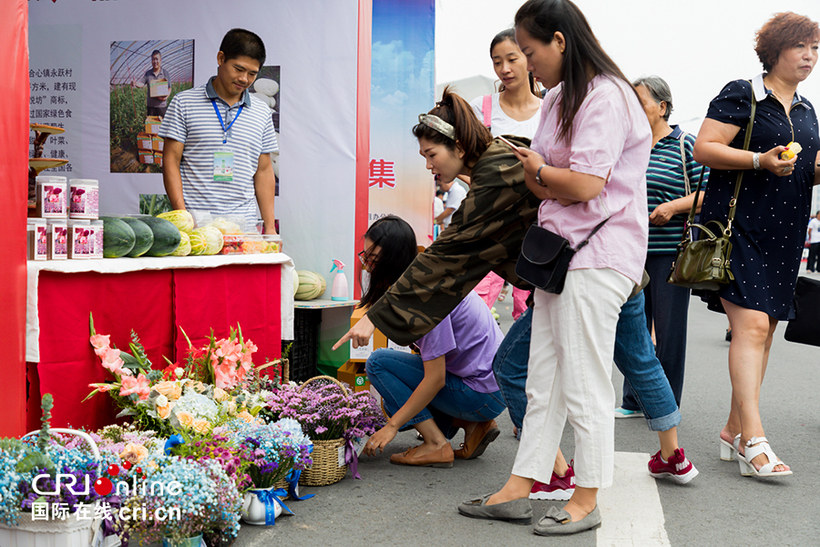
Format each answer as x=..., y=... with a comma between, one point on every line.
x=470, y=133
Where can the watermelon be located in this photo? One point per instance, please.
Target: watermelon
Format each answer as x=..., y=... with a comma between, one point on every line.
x=118, y=237
x=144, y=236
x=166, y=236
x=311, y=285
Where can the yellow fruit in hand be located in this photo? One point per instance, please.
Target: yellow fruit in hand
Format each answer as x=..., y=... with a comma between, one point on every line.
x=792, y=149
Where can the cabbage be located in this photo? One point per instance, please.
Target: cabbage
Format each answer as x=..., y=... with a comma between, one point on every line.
x=182, y=219
x=184, y=248
x=206, y=241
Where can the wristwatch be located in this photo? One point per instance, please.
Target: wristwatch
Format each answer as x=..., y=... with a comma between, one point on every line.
x=538, y=175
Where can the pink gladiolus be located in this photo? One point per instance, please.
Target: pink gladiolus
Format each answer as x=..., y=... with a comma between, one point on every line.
x=138, y=385
x=100, y=342
x=112, y=361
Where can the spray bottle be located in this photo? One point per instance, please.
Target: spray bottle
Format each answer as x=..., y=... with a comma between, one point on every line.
x=339, y=291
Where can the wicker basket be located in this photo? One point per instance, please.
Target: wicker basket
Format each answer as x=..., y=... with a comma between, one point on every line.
x=325, y=469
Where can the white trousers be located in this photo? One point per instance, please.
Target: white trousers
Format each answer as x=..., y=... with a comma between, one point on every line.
x=569, y=376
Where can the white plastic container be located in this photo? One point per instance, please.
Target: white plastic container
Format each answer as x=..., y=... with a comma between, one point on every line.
x=97, y=229
x=80, y=243
x=52, y=200
x=57, y=240
x=37, y=232
x=84, y=199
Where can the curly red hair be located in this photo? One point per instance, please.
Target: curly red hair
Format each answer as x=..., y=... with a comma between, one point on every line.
x=783, y=31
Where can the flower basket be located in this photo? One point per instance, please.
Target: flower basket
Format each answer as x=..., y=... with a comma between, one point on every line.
x=325, y=469
x=71, y=532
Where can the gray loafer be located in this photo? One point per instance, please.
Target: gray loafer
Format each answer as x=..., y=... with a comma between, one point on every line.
x=559, y=522
x=516, y=512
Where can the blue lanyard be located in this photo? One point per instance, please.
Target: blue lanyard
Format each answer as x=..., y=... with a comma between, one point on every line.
x=222, y=123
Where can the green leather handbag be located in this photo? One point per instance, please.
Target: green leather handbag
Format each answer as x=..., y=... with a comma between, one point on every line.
x=705, y=263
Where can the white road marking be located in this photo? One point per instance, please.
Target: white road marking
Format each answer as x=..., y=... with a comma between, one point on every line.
x=631, y=511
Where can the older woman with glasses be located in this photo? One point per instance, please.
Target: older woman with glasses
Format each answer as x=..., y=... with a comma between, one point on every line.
x=669, y=184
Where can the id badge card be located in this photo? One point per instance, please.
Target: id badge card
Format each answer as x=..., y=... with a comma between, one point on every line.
x=223, y=165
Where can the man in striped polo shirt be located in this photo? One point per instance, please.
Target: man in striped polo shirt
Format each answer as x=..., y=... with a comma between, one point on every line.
x=218, y=139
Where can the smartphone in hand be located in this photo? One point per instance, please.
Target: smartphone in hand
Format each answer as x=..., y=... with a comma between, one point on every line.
x=508, y=143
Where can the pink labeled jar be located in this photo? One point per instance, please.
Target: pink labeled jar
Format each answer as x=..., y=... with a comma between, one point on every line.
x=80, y=242
x=51, y=197
x=57, y=240
x=84, y=199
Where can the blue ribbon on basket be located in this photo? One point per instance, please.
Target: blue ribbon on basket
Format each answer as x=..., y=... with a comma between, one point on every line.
x=352, y=459
x=292, y=478
x=271, y=498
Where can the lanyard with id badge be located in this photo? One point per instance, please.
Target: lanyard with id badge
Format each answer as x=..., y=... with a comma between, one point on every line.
x=223, y=156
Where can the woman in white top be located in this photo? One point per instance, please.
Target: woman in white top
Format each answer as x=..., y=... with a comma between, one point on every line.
x=514, y=110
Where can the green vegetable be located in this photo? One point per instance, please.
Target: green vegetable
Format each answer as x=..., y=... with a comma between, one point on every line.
x=143, y=234
x=118, y=237
x=311, y=285
x=180, y=218
x=184, y=248
x=206, y=241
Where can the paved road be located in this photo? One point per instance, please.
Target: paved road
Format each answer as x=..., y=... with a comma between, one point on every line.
x=402, y=506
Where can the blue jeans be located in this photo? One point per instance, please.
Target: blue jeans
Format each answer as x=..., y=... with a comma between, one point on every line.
x=667, y=306
x=634, y=357
x=396, y=375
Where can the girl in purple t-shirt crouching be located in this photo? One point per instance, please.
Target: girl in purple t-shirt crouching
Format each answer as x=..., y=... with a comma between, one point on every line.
x=450, y=383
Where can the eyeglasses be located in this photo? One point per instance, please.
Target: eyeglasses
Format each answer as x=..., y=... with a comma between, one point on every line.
x=367, y=259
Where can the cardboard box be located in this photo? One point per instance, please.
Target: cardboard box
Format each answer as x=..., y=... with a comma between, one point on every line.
x=378, y=340
x=158, y=88
x=145, y=141
x=354, y=375
x=158, y=158
x=157, y=143
x=152, y=124
x=146, y=156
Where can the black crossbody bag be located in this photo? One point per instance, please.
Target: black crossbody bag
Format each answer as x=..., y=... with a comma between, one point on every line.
x=545, y=257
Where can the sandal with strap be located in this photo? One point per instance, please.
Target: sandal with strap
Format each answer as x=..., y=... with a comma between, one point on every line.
x=755, y=447
x=728, y=450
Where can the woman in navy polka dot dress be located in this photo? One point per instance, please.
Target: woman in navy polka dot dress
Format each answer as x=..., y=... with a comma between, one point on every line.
x=772, y=211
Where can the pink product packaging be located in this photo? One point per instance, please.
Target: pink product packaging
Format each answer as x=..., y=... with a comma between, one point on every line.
x=84, y=199
x=51, y=197
x=80, y=242
x=57, y=240
x=37, y=240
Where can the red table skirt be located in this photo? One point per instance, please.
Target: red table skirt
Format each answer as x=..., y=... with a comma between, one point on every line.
x=155, y=304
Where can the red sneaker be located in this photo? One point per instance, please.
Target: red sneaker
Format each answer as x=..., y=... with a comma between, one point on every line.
x=559, y=488
x=678, y=468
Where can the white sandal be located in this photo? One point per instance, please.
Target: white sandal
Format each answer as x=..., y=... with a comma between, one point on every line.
x=754, y=448
x=728, y=450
